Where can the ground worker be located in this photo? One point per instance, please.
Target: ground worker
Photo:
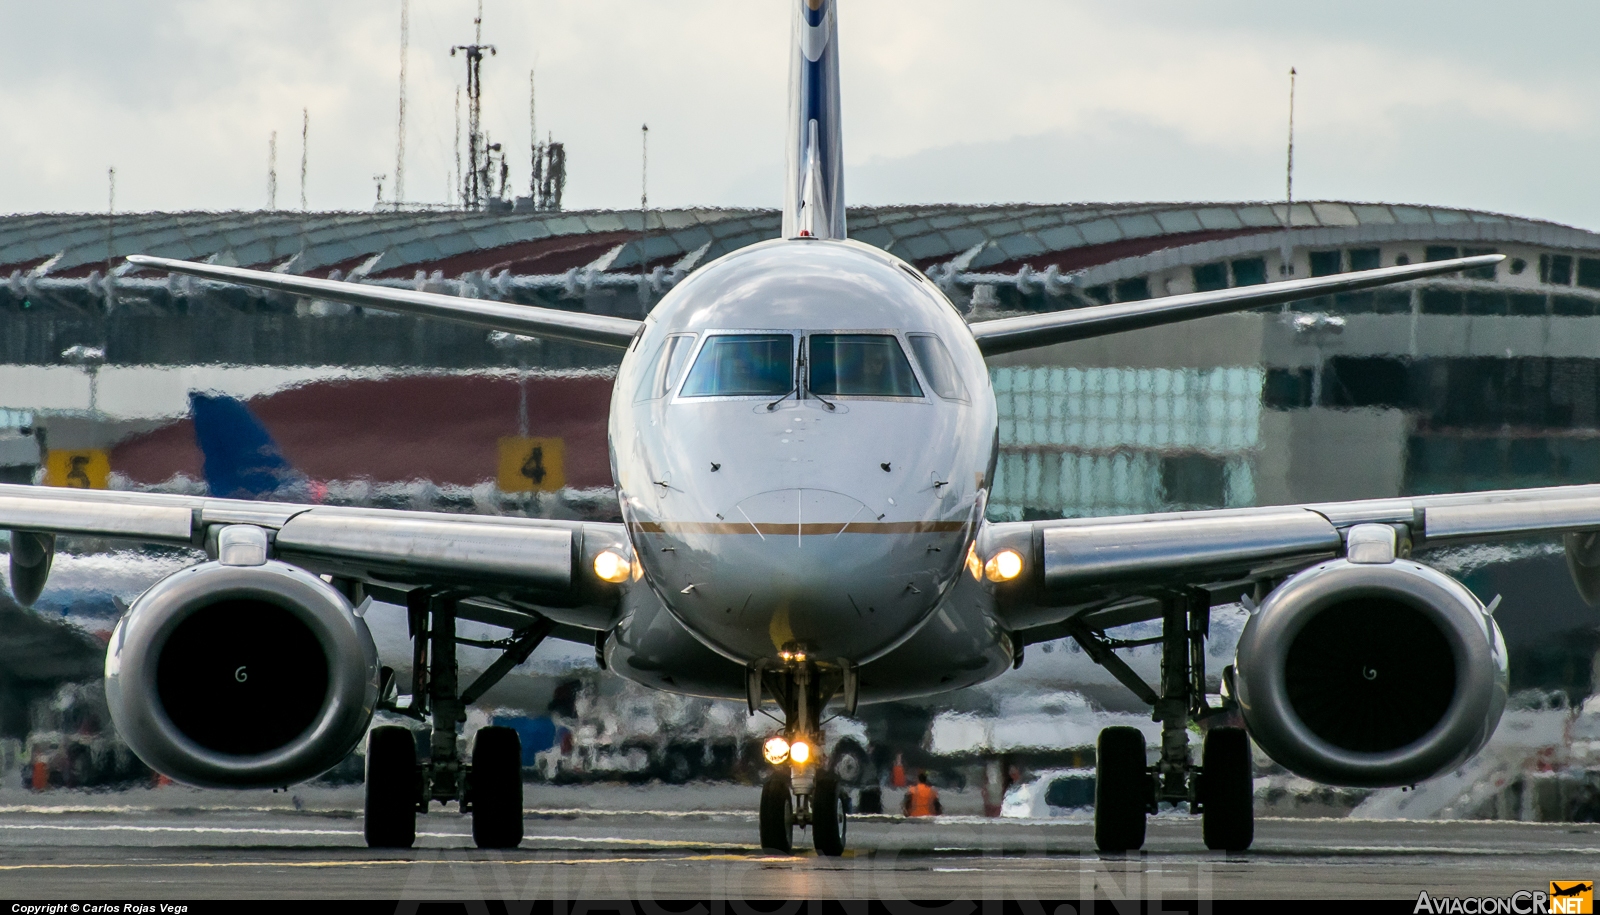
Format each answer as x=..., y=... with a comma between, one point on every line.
x=922, y=800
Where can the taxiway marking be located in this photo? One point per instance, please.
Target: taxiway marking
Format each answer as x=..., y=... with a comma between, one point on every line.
x=395, y=862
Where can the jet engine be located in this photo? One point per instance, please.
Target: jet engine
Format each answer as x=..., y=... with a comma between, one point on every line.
x=1371, y=674
x=241, y=675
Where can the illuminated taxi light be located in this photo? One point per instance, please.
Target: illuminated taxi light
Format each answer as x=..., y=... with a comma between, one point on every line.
x=799, y=656
x=1004, y=566
x=776, y=750
x=974, y=564
x=800, y=752
x=612, y=567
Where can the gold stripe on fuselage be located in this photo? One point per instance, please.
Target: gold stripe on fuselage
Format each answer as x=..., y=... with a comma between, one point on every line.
x=764, y=529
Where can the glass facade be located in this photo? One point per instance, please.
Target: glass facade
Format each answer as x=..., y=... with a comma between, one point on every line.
x=1077, y=442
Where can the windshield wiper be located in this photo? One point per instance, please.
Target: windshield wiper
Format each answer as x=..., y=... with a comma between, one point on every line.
x=774, y=405
x=802, y=370
x=799, y=369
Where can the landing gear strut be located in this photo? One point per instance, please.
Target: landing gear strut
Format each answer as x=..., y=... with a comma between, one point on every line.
x=399, y=786
x=1126, y=787
x=802, y=791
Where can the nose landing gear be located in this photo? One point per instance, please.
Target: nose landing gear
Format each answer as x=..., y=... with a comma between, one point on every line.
x=801, y=792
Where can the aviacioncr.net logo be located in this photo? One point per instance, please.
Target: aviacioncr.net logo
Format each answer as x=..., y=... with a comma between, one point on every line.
x=1566, y=897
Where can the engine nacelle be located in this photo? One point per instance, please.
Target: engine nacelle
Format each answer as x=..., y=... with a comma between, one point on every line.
x=1373, y=675
x=241, y=676
x=31, y=556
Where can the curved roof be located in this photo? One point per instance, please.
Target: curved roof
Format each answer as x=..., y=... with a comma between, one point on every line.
x=1000, y=239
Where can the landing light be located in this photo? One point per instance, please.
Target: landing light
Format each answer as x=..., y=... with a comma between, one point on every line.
x=800, y=752
x=776, y=749
x=612, y=567
x=1004, y=566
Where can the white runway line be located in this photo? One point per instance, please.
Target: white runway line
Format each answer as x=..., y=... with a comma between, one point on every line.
x=239, y=830
x=265, y=831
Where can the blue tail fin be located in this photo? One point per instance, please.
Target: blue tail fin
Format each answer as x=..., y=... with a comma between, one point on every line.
x=241, y=459
x=813, y=202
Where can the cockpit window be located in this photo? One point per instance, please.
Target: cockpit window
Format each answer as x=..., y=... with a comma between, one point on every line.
x=937, y=366
x=732, y=365
x=862, y=365
x=666, y=368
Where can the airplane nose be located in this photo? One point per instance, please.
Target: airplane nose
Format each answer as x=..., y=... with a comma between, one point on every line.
x=798, y=513
x=808, y=566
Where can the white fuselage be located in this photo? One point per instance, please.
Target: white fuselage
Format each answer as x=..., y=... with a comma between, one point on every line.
x=834, y=522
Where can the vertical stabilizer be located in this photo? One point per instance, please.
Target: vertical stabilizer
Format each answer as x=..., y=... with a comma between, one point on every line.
x=241, y=459
x=813, y=202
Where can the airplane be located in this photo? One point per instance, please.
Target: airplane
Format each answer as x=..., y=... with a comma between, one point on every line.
x=241, y=459
x=802, y=437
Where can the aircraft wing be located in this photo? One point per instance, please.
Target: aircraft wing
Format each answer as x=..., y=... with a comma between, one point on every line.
x=1106, y=565
x=517, y=561
x=1007, y=335
x=527, y=320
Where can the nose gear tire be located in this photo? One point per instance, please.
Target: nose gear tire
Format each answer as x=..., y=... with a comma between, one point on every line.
x=393, y=786
x=828, y=817
x=497, y=788
x=1226, y=790
x=777, y=814
x=1122, y=790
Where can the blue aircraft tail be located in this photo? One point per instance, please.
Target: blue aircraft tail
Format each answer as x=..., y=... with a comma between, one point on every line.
x=813, y=201
x=241, y=459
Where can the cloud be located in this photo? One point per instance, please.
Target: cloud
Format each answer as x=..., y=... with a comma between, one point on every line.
x=1472, y=104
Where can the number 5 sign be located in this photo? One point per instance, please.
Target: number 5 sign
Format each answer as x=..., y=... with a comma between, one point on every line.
x=530, y=465
x=86, y=469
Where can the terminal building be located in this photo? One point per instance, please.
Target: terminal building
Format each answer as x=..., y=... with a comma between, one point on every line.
x=1467, y=382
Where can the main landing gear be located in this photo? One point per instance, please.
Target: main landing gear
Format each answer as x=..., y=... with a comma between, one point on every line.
x=1127, y=788
x=399, y=785
x=801, y=791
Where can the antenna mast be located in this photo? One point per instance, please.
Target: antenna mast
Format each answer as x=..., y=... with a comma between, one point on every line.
x=644, y=196
x=476, y=180
x=533, y=144
x=1288, y=191
x=111, y=222
x=272, y=171
x=400, y=131
x=457, y=185
x=305, y=132
x=549, y=161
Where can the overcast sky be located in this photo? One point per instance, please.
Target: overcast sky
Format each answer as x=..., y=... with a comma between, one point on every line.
x=1465, y=103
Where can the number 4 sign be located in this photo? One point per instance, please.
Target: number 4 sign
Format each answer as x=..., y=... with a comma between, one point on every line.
x=530, y=465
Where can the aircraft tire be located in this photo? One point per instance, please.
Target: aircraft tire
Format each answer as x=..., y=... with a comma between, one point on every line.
x=1227, y=816
x=777, y=814
x=849, y=763
x=390, y=815
x=1121, y=790
x=497, y=788
x=828, y=816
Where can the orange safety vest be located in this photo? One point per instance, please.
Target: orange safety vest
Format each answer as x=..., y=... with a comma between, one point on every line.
x=924, y=800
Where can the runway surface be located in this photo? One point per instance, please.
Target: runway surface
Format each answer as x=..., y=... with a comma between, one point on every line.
x=154, y=846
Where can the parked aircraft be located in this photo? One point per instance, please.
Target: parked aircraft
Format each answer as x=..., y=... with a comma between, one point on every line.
x=803, y=437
